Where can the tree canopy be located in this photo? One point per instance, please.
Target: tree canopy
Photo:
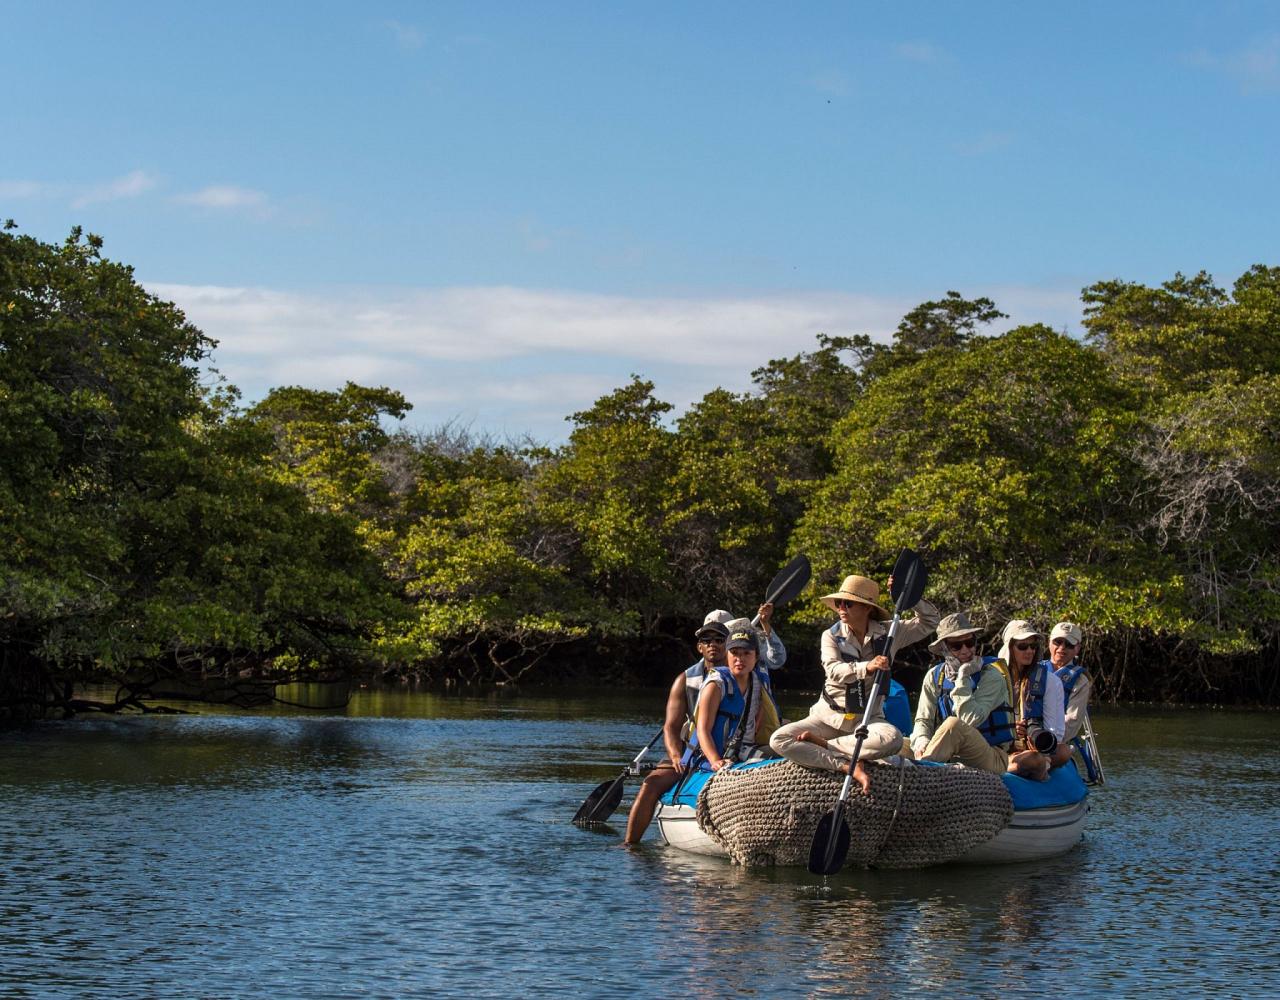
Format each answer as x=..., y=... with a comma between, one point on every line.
x=152, y=527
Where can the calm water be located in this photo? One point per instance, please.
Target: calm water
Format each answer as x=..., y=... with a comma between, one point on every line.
x=420, y=845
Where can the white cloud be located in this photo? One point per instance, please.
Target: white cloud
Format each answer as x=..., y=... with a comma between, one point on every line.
x=224, y=196
x=833, y=82
x=131, y=185
x=983, y=143
x=24, y=189
x=1256, y=67
x=919, y=51
x=512, y=360
x=407, y=36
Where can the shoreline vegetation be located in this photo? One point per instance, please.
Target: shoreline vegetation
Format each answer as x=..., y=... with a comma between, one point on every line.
x=157, y=534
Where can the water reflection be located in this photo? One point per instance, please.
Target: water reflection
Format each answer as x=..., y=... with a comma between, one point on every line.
x=423, y=848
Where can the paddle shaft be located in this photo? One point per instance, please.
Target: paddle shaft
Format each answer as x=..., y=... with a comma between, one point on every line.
x=873, y=703
x=647, y=747
x=1091, y=741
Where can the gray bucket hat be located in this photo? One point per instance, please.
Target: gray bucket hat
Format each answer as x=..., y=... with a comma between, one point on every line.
x=950, y=627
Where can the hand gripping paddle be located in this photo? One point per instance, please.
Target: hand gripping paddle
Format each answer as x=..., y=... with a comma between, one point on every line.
x=830, y=844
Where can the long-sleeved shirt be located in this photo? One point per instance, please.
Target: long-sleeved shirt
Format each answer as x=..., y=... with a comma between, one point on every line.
x=842, y=673
x=1077, y=705
x=970, y=704
x=973, y=705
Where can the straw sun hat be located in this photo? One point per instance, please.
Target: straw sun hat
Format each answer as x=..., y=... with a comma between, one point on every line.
x=860, y=589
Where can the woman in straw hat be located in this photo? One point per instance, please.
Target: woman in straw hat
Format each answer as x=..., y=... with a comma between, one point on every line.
x=825, y=740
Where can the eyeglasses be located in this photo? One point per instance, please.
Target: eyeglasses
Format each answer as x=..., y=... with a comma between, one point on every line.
x=1065, y=642
x=1022, y=647
x=840, y=602
x=960, y=644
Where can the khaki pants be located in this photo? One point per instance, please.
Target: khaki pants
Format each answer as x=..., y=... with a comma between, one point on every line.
x=882, y=740
x=957, y=742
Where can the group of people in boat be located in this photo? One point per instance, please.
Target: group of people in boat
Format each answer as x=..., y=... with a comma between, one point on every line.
x=1014, y=712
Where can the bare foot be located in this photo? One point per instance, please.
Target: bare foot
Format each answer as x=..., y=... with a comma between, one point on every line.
x=807, y=737
x=860, y=776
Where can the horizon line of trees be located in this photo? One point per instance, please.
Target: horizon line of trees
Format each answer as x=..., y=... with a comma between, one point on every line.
x=157, y=533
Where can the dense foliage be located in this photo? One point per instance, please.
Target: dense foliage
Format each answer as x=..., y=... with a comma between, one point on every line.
x=155, y=532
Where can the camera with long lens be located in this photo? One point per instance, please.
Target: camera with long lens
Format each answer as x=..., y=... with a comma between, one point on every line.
x=1040, y=738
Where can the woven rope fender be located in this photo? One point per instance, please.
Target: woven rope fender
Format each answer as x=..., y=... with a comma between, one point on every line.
x=914, y=816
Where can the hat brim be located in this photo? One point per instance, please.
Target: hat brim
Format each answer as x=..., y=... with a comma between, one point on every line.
x=877, y=612
x=939, y=645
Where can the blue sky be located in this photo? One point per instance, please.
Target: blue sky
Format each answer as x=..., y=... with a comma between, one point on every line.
x=505, y=209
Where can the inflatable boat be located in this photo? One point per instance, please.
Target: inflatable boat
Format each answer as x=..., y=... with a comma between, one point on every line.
x=916, y=815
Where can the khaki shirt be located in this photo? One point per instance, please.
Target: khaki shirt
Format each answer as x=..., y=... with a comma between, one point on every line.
x=840, y=674
x=971, y=706
x=1078, y=706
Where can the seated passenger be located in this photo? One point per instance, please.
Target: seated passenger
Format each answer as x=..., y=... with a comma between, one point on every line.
x=826, y=739
x=732, y=708
x=964, y=714
x=1064, y=647
x=773, y=654
x=1038, y=723
x=681, y=700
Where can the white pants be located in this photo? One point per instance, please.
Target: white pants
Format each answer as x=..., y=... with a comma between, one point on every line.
x=883, y=739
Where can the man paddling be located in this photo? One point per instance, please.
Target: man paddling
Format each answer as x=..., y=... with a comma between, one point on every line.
x=680, y=701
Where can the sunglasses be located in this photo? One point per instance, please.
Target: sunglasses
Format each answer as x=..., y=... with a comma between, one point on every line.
x=840, y=602
x=1064, y=642
x=960, y=644
x=1022, y=647
x=710, y=642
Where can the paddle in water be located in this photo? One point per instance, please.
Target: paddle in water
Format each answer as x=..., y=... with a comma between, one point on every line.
x=830, y=844
x=604, y=798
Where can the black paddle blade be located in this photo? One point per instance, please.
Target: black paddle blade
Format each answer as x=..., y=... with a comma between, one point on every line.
x=791, y=579
x=601, y=803
x=830, y=843
x=908, y=580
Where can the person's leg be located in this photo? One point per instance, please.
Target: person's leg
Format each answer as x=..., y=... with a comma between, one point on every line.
x=805, y=742
x=657, y=781
x=883, y=740
x=958, y=742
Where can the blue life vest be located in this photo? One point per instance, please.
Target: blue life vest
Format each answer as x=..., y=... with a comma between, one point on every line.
x=1032, y=706
x=1069, y=675
x=696, y=675
x=728, y=726
x=694, y=678
x=997, y=728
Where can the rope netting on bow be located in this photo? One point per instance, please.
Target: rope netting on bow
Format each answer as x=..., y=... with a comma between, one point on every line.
x=914, y=816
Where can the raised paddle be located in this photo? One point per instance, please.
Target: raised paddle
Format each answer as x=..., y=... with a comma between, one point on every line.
x=831, y=839
x=604, y=798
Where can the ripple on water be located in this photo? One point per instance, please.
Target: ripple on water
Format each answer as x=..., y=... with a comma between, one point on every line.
x=387, y=857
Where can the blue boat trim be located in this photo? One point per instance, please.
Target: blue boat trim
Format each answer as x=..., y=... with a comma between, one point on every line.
x=1064, y=787
x=690, y=789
